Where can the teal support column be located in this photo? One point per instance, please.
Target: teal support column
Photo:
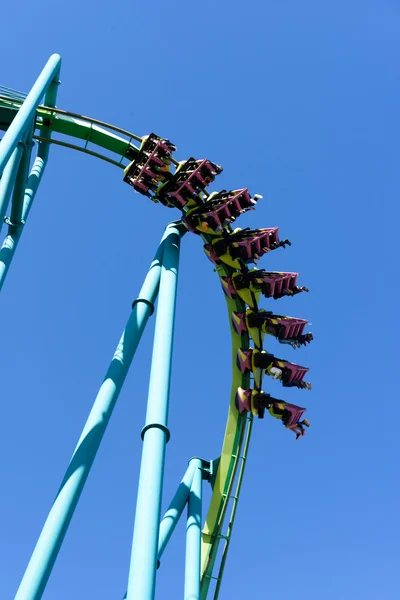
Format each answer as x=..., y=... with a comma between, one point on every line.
x=26, y=113
x=55, y=528
x=8, y=179
x=193, y=535
x=23, y=205
x=10, y=243
x=174, y=512
x=175, y=509
x=155, y=434
x=17, y=205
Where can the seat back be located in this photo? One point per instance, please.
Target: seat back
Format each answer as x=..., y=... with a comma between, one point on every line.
x=296, y=413
x=228, y=288
x=148, y=169
x=290, y=327
x=296, y=372
x=189, y=180
x=239, y=322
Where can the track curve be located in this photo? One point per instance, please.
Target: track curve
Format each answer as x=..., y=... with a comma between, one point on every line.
x=227, y=481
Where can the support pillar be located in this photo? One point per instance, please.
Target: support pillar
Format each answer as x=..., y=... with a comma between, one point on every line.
x=17, y=205
x=175, y=509
x=193, y=534
x=155, y=434
x=10, y=242
x=7, y=181
x=56, y=525
x=26, y=113
x=26, y=193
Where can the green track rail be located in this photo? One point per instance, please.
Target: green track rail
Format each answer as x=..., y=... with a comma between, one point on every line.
x=94, y=137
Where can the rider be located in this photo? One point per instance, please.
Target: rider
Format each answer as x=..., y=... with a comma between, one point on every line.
x=277, y=409
x=257, y=401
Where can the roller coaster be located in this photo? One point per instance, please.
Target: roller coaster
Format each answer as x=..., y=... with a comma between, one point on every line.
x=149, y=166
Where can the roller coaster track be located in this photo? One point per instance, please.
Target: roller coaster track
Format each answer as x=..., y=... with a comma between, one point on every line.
x=116, y=146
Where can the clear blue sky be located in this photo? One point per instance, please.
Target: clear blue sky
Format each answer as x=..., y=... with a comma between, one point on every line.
x=299, y=102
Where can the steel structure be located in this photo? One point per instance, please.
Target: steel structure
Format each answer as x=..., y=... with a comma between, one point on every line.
x=29, y=121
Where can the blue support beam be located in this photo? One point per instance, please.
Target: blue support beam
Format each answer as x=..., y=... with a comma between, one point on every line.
x=174, y=512
x=155, y=434
x=26, y=114
x=175, y=509
x=17, y=205
x=10, y=242
x=58, y=520
x=8, y=179
x=193, y=534
x=25, y=194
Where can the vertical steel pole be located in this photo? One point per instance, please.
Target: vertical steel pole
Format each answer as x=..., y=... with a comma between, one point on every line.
x=21, y=181
x=7, y=181
x=155, y=434
x=174, y=512
x=55, y=528
x=26, y=113
x=175, y=509
x=10, y=242
x=193, y=535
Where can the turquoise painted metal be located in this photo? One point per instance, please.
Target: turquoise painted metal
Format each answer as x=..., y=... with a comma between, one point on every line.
x=26, y=113
x=22, y=115
x=193, y=534
x=10, y=243
x=23, y=118
x=175, y=510
x=17, y=204
x=155, y=434
x=55, y=528
x=7, y=180
x=16, y=171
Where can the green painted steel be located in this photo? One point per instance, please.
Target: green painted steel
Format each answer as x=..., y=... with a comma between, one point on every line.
x=55, y=528
x=155, y=434
x=193, y=534
x=12, y=94
x=217, y=535
x=235, y=500
x=86, y=129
